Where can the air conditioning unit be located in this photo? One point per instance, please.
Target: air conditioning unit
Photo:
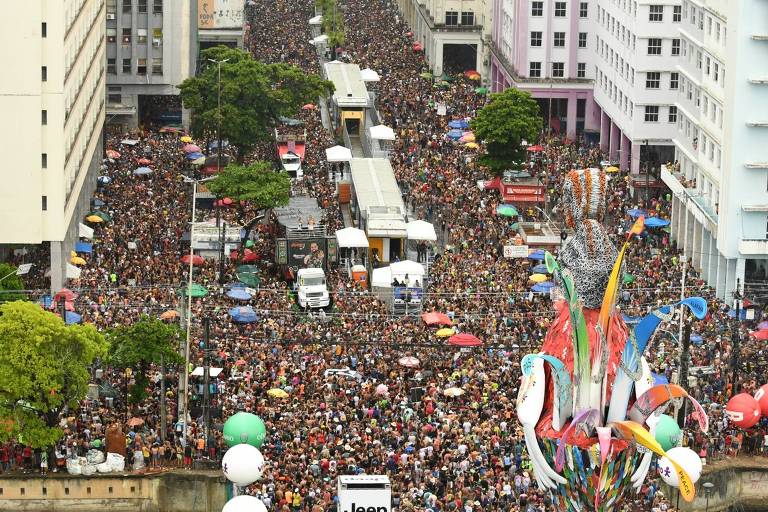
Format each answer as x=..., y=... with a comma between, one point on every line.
x=111, y=16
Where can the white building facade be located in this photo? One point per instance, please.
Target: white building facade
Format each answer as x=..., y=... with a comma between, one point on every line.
x=720, y=185
x=52, y=99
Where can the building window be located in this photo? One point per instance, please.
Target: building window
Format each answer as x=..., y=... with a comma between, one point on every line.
x=716, y=76
x=581, y=70
x=111, y=66
x=534, y=70
x=654, y=46
x=113, y=94
x=560, y=9
x=451, y=17
x=141, y=36
x=656, y=13
x=157, y=37
x=583, y=10
x=535, y=38
x=157, y=66
x=652, y=80
x=582, y=39
x=675, y=47
x=44, y=29
x=143, y=6
x=467, y=18
x=45, y=203
x=127, y=7
x=44, y=73
x=111, y=9
x=676, y=14
x=44, y=160
x=672, y=118
x=651, y=113
x=44, y=117
x=127, y=65
x=126, y=36
x=141, y=67
x=111, y=35
x=537, y=8
x=157, y=7
x=674, y=80
x=559, y=39
x=558, y=69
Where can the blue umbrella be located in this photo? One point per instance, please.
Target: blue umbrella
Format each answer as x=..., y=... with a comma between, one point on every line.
x=215, y=144
x=455, y=134
x=98, y=202
x=543, y=287
x=636, y=212
x=631, y=320
x=238, y=294
x=537, y=255
x=142, y=171
x=84, y=247
x=540, y=269
x=45, y=301
x=194, y=156
x=243, y=315
x=104, y=180
x=72, y=318
x=659, y=378
x=655, y=222
x=460, y=124
x=697, y=339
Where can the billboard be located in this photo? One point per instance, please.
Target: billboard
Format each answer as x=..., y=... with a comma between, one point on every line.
x=364, y=493
x=306, y=253
x=220, y=14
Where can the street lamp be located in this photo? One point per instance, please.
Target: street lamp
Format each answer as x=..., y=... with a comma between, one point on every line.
x=707, y=490
x=218, y=114
x=185, y=409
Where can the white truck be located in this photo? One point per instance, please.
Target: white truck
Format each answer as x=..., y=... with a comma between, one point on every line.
x=311, y=288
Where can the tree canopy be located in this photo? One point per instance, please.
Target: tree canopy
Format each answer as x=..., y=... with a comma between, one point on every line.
x=253, y=96
x=509, y=118
x=333, y=22
x=10, y=283
x=138, y=346
x=43, y=369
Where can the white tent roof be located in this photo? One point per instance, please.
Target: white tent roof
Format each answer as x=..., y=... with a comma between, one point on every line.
x=351, y=237
x=73, y=272
x=317, y=20
x=421, y=230
x=369, y=75
x=319, y=39
x=400, y=268
x=338, y=154
x=84, y=231
x=200, y=372
x=382, y=132
x=382, y=277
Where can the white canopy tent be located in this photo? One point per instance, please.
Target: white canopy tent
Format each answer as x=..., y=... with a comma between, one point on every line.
x=369, y=75
x=338, y=154
x=401, y=268
x=317, y=20
x=351, y=237
x=382, y=278
x=421, y=230
x=382, y=132
x=319, y=39
x=85, y=231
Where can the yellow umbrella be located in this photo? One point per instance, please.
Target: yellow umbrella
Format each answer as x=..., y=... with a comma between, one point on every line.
x=277, y=393
x=77, y=260
x=186, y=139
x=94, y=218
x=538, y=278
x=612, y=169
x=445, y=332
x=471, y=145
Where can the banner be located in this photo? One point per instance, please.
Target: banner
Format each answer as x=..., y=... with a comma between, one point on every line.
x=515, y=251
x=220, y=14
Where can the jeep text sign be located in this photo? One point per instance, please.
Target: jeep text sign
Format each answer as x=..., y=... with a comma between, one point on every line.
x=365, y=500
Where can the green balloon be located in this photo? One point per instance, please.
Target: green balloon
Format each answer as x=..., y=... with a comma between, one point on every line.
x=244, y=427
x=667, y=432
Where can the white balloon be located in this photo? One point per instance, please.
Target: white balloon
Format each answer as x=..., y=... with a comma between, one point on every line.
x=243, y=464
x=244, y=503
x=687, y=459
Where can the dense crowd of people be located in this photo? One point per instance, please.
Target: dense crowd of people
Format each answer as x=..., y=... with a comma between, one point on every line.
x=442, y=453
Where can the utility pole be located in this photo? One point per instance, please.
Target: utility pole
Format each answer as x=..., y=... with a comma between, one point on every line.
x=647, y=174
x=736, y=337
x=685, y=356
x=163, y=413
x=222, y=241
x=206, y=378
x=684, y=261
x=218, y=114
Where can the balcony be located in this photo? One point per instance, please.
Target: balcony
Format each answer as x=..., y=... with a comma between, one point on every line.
x=684, y=190
x=751, y=246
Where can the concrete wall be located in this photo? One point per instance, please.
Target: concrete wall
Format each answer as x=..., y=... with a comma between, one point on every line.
x=745, y=485
x=169, y=492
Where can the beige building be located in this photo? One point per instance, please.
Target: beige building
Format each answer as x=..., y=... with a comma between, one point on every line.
x=52, y=103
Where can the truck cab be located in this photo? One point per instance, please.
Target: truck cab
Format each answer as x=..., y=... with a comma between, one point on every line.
x=311, y=289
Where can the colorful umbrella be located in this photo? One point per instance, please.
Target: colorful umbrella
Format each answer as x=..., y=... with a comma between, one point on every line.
x=454, y=134
x=760, y=335
x=544, y=287
x=243, y=315
x=143, y=161
x=169, y=315
x=507, y=210
x=453, y=392
x=409, y=361
x=135, y=422
x=541, y=268
x=628, y=279
x=382, y=390
x=655, y=222
x=111, y=153
x=482, y=91
x=538, y=278
x=426, y=75
x=142, y=171
x=471, y=145
x=191, y=148
x=94, y=218
x=186, y=138
x=464, y=340
x=636, y=212
x=103, y=216
x=248, y=256
x=104, y=180
x=196, y=290
x=277, y=393
x=535, y=149
x=467, y=137
x=459, y=124
x=444, y=332
x=612, y=170
x=468, y=73
x=240, y=362
x=77, y=260
x=435, y=318
x=196, y=260
x=239, y=294
x=72, y=318
x=308, y=106
x=536, y=254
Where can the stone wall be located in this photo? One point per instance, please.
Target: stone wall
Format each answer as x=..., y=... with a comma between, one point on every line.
x=166, y=492
x=741, y=482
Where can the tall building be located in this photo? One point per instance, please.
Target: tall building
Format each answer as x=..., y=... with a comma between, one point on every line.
x=151, y=48
x=637, y=48
x=451, y=33
x=52, y=100
x=544, y=47
x=720, y=182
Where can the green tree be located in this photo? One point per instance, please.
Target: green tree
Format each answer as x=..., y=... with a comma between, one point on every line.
x=257, y=184
x=333, y=22
x=509, y=118
x=138, y=346
x=10, y=283
x=43, y=369
x=253, y=96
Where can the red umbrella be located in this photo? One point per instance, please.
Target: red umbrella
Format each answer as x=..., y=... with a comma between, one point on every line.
x=248, y=256
x=191, y=148
x=227, y=201
x=240, y=362
x=409, y=34
x=435, y=318
x=308, y=106
x=760, y=335
x=114, y=155
x=464, y=340
x=68, y=305
x=535, y=149
x=196, y=260
x=417, y=47
x=210, y=170
x=66, y=294
x=470, y=72
x=144, y=161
